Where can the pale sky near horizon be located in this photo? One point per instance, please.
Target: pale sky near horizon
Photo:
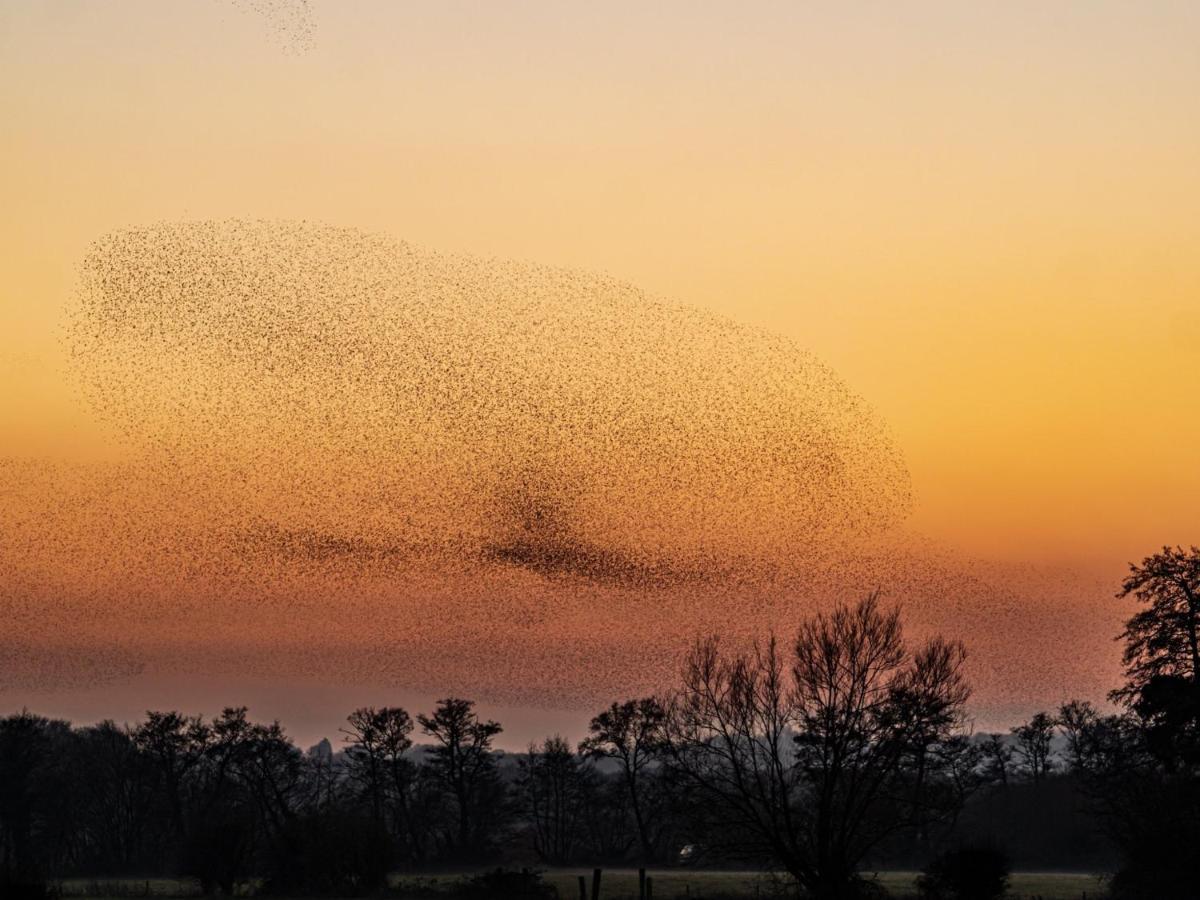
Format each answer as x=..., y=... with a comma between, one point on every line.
x=985, y=217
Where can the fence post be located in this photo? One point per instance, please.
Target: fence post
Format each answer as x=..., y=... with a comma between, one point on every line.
x=641, y=884
x=582, y=888
x=649, y=888
x=595, y=884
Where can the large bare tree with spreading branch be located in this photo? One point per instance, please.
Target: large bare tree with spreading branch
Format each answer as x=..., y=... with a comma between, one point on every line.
x=809, y=757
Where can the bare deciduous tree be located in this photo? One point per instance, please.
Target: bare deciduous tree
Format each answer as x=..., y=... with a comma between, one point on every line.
x=1076, y=718
x=378, y=743
x=552, y=780
x=630, y=733
x=1033, y=745
x=997, y=758
x=810, y=761
x=462, y=762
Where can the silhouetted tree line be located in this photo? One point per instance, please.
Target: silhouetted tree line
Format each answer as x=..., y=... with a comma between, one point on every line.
x=843, y=748
x=1120, y=787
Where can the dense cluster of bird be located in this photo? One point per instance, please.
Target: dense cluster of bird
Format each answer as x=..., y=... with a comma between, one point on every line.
x=351, y=457
x=404, y=403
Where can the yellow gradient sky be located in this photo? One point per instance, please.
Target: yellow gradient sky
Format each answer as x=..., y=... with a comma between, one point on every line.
x=984, y=216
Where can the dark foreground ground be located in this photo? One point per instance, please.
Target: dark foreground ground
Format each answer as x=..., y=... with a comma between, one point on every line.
x=623, y=883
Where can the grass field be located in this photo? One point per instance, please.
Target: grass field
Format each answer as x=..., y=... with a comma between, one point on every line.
x=623, y=883
x=673, y=883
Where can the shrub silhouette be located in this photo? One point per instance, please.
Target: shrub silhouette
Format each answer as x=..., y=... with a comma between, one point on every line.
x=967, y=873
x=12, y=888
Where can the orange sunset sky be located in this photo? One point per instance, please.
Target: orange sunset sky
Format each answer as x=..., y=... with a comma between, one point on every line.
x=983, y=217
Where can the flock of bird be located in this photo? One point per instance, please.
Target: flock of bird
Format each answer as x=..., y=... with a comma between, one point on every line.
x=351, y=458
x=290, y=21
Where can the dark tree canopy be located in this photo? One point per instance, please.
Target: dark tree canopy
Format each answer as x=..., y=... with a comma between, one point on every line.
x=1162, y=639
x=1141, y=768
